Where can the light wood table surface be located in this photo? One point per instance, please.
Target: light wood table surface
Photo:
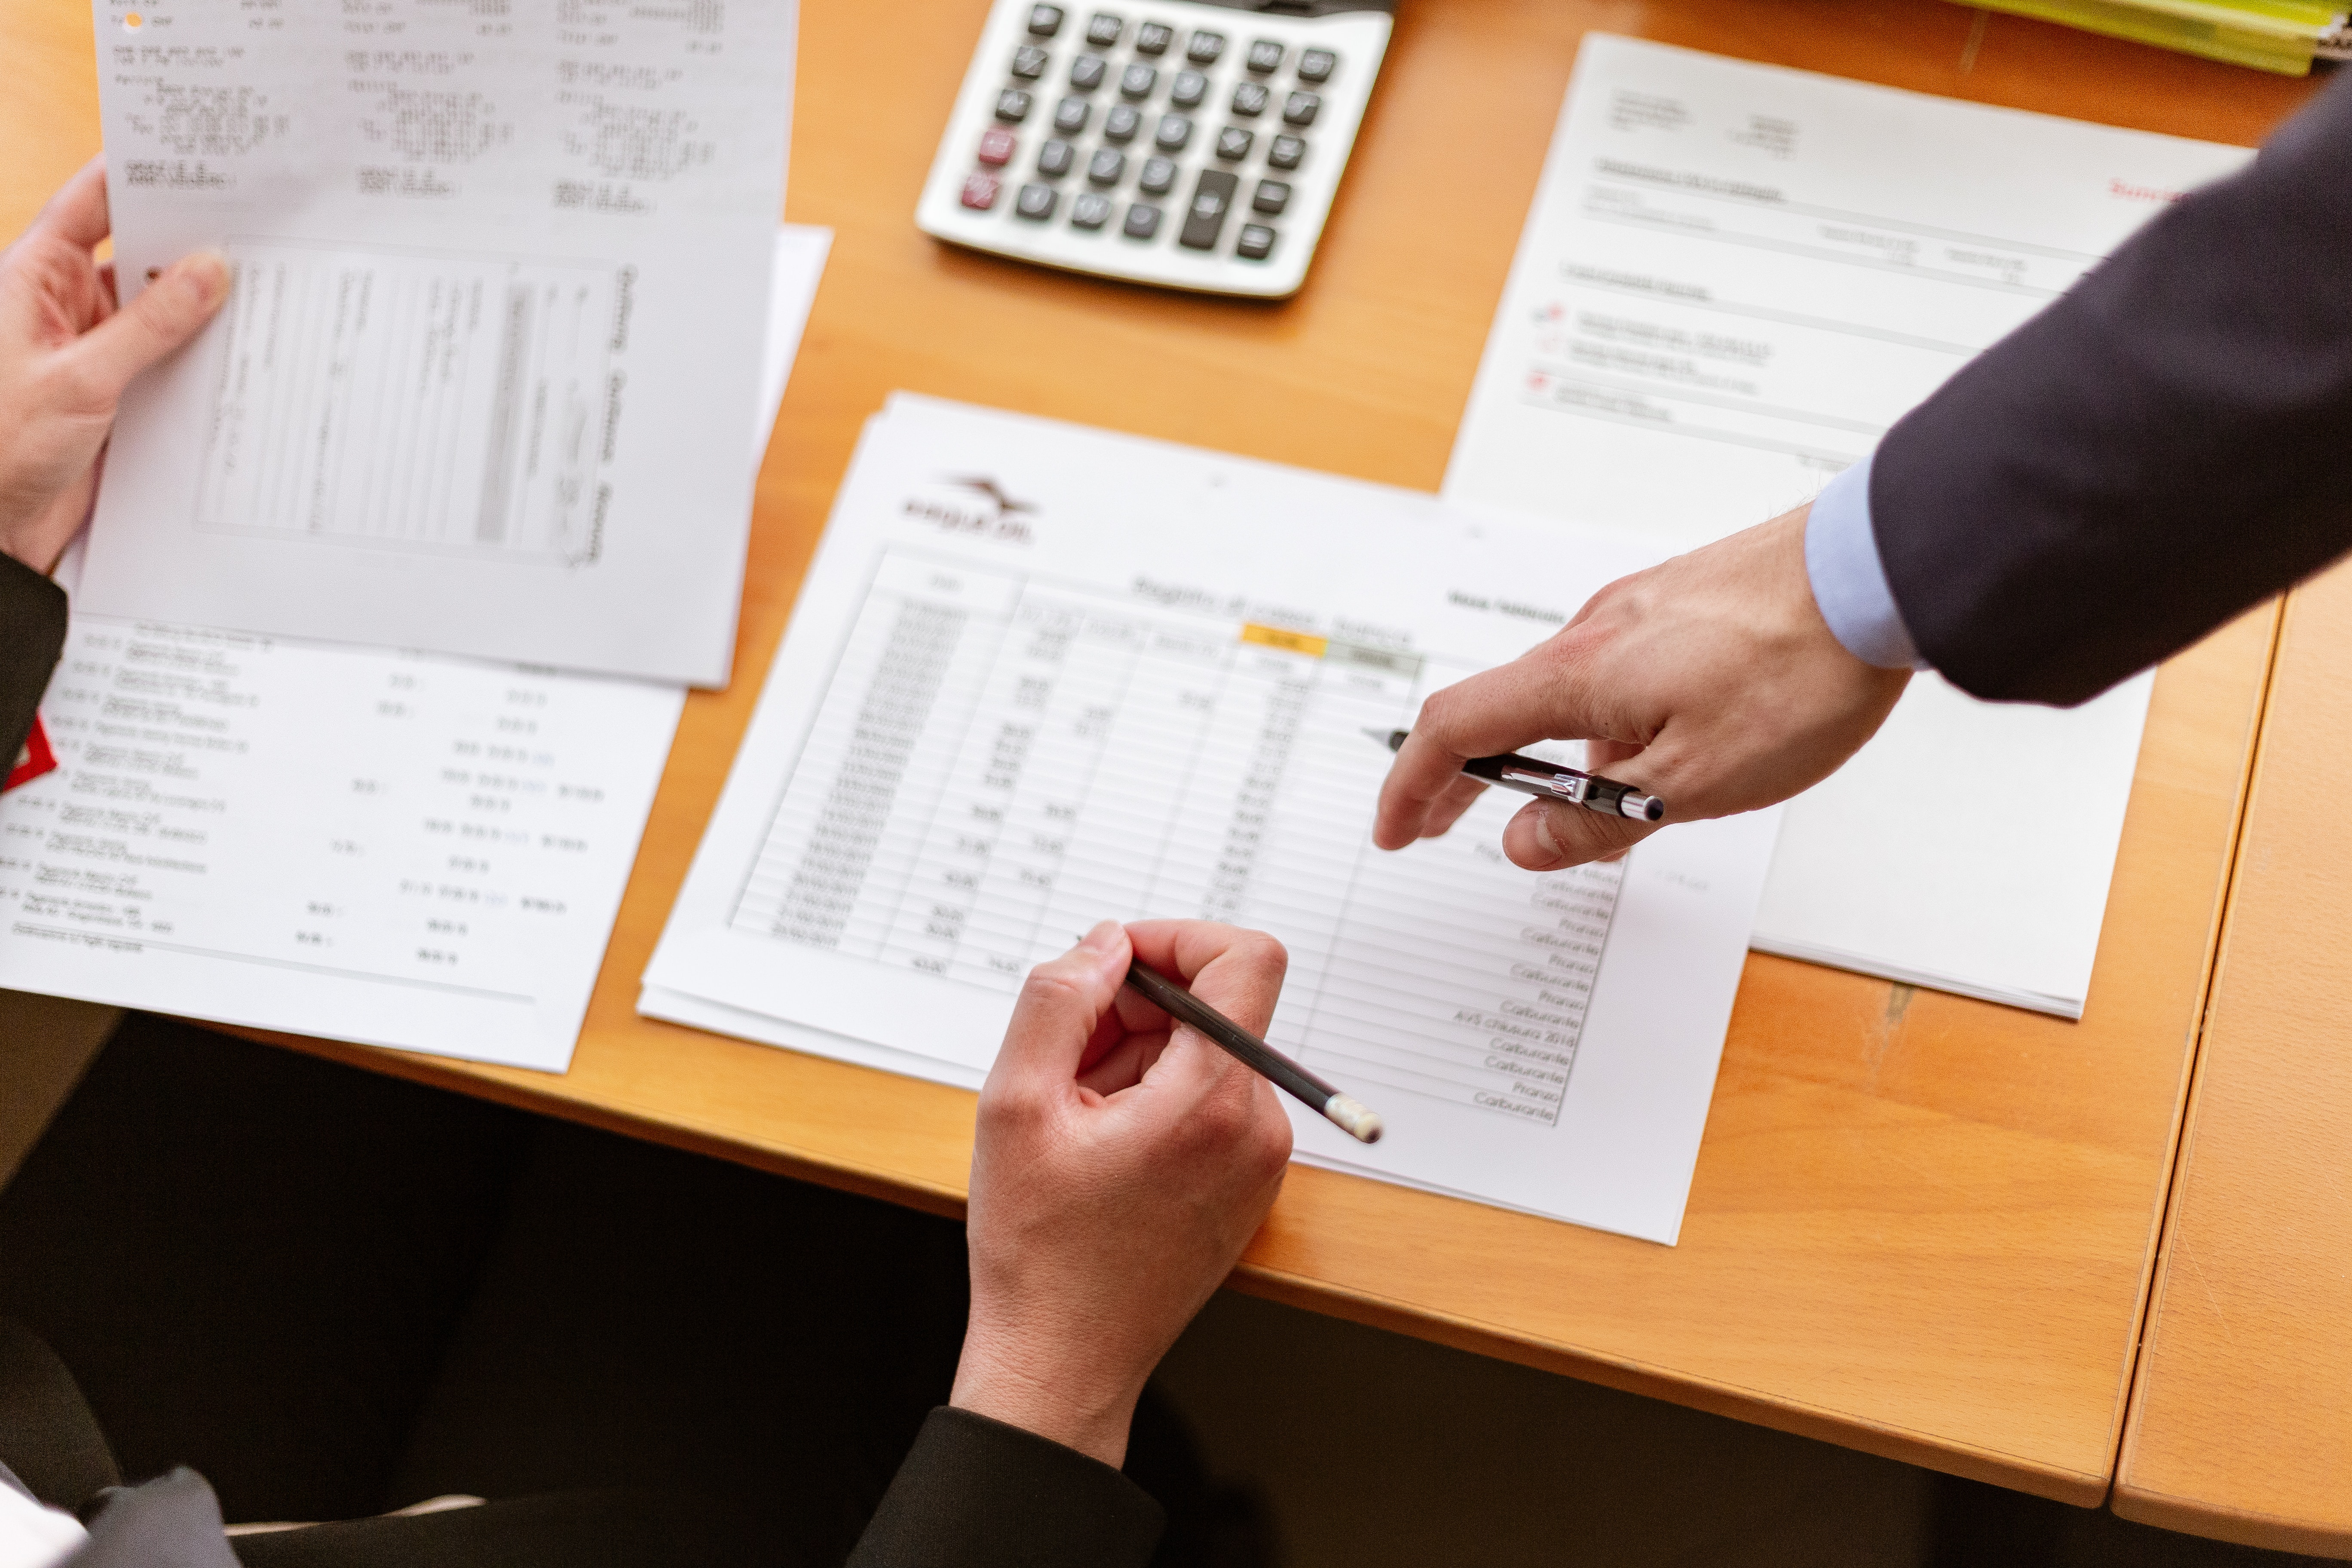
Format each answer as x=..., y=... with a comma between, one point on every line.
x=2242, y=1417
x=1921, y=1226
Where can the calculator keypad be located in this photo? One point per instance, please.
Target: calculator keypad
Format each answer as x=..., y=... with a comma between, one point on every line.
x=1228, y=121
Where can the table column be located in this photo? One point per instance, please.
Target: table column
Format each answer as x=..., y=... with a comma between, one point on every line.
x=845, y=835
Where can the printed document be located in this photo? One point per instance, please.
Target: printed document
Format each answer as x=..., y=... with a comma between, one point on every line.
x=1735, y=278
x=1041, y=676
x=400, y=849
x=491, y=356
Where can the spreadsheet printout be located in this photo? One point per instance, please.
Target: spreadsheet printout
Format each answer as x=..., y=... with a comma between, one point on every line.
x=492, y=342
x=1040, y=676
x=394, y=848
x=1734, y=277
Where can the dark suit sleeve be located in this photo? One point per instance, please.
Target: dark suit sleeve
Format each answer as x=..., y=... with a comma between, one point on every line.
x=32, y=635
x=975, y=1493
x=2157, y=451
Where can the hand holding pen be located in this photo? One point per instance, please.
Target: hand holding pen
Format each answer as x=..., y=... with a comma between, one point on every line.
x=1709, y=681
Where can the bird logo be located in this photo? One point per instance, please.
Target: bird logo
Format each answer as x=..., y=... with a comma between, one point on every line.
x=979, y=484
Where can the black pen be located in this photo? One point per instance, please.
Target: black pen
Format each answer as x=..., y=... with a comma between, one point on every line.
x=1549, y=781
x=1346, y=1112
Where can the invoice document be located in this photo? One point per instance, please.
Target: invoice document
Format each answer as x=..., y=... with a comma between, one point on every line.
x=1041, y=676
x=491, y=355
x=395, y=849
x=1734, y=280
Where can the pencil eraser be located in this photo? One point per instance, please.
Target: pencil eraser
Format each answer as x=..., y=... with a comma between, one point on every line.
x=1354, y=1118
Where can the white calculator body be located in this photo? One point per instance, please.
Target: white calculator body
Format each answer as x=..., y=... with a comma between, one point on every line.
x=1193, y=143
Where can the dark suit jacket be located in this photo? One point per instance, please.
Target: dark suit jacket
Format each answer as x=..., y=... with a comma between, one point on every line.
x=972, y=1493
x=2153, y=453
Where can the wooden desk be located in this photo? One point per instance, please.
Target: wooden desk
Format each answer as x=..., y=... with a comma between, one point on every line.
x=1921, y=1226
x=2241, y=1417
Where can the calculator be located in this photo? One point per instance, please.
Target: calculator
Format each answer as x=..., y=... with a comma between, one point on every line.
x=1192, y=144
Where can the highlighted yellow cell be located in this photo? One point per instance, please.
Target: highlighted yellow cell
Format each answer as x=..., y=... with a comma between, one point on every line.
x=1288, y=641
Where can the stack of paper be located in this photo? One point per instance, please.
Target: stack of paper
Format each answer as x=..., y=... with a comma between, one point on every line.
x=484, y=389
x=1041, y=676
x=395, y=849
x=1734, y=280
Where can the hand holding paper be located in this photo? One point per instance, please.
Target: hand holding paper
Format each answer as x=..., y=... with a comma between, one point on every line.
x=67, y=352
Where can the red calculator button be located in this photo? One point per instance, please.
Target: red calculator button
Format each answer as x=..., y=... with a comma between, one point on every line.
x=996, y=148
x=979, y=192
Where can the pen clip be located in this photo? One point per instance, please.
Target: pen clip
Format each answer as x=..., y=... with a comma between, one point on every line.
x=1571, y=787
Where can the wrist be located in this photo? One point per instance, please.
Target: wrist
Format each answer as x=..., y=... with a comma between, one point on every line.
x=1058, y=1397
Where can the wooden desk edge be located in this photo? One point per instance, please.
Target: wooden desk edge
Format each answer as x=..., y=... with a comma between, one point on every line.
x=2080, y=1488
x=2197, y=1516
x=2171, y=1510
x=2177, y=1152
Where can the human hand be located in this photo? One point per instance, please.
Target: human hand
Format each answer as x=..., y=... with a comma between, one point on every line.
x=1119, y=1171
x=66, y=354
x=1710, y=680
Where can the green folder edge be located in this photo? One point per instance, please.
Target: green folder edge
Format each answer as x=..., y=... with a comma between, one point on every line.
x=2279, y=36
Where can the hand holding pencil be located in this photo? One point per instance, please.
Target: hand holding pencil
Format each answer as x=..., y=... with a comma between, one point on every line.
x=1122, y=1164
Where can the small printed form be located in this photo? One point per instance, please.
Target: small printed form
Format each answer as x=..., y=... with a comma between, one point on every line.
x=1040, y=676
x=492, y=351
x=1735, y=278
x=399, y=849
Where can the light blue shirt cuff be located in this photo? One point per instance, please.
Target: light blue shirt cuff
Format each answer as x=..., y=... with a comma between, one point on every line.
x=1849, y=582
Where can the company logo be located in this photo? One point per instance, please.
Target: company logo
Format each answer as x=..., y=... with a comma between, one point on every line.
x=981, y=506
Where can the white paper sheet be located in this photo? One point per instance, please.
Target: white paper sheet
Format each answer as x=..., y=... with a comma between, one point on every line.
x=1041, y=676
x=394, y=848
x=1734, y=280
x=483, y=384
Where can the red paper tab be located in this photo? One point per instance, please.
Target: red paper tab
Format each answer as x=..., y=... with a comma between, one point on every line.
x=34, y=761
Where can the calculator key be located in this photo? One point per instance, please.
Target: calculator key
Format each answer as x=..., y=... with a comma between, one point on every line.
x=1103, y=30
x=1317, y=65
x=1174, y=130
x=1045, y=21
x=1249, y=99
x=979, y=192
x=1106, y=167
x=1158, y=177
x=1286, y=153
x=1188, y=89
x=1234, y=144
x=1205, y=47
x=1299, y=109
x=1070, y=115
x=1153, y=38
x=1013, y=105
x=1265, y=55
x=1138, y=80
x=1142, y=221
x=1121, y=122
x=1256, y=244
x=1056, y=158
x=1029, y=62
x=1205, y=218
x=1035, y=201
x=1087, y=72
x=996, y=148
x=1088, y=210
x=1273, y=195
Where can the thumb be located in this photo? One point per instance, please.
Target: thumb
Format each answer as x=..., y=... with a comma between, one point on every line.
x=1060, y=1005
x=1551, y=835
x=166, y=314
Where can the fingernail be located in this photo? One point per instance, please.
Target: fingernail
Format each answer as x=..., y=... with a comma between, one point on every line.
x=1103, y=939
x=206, y=272
x=1544, y=840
